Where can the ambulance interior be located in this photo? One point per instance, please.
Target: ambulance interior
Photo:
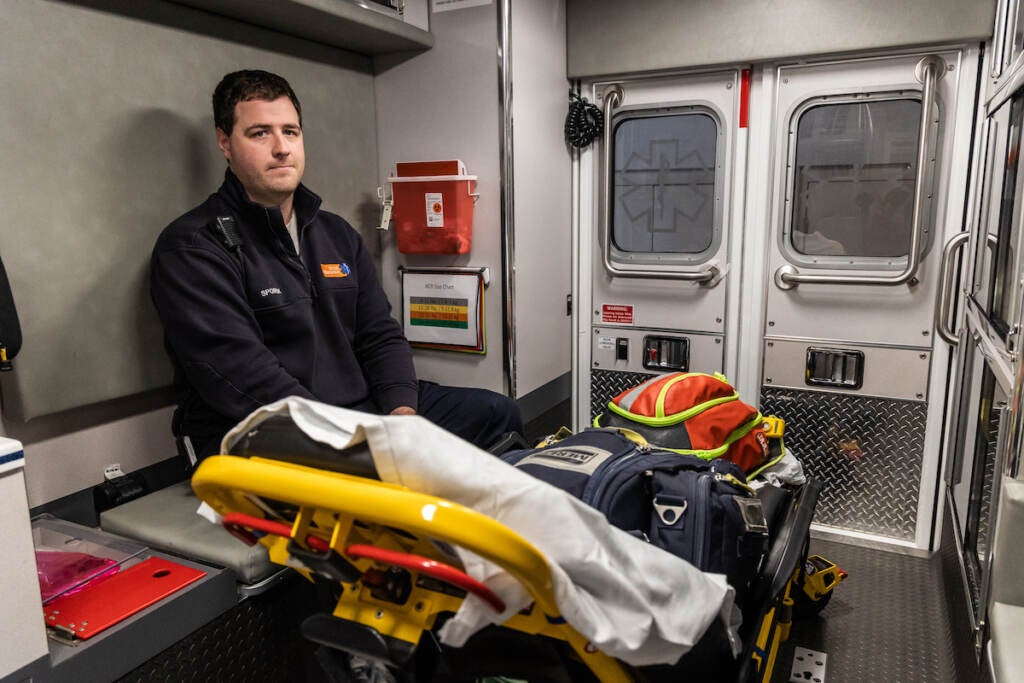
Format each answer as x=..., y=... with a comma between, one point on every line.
x=815, y=199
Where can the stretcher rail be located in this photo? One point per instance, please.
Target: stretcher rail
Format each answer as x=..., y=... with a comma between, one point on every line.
x=337, y=508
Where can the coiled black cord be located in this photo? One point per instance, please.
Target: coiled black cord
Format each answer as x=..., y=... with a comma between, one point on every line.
x=583, y=123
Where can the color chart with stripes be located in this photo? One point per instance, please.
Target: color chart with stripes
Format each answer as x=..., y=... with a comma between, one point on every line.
x=439, y=312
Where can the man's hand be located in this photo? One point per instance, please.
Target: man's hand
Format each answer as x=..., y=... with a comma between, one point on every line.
x=403, y=410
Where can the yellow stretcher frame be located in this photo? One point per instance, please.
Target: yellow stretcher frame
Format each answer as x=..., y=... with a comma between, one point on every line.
x=341, y=511
x=328, y=506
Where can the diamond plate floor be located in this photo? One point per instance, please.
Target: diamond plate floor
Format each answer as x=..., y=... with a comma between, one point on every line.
x=887, y=622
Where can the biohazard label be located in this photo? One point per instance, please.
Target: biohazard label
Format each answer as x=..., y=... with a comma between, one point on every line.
x=435, y=210
x=621, y=314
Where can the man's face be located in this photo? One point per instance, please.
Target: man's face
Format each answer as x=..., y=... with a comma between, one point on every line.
x=265, y=149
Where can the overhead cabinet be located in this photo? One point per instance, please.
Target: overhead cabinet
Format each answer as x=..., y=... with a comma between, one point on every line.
x=347, y=24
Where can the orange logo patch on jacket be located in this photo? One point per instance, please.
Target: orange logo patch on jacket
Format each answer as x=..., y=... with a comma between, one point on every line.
x=335, y=269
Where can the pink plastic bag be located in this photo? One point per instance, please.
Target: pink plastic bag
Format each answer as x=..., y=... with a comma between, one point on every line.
x=60, y=571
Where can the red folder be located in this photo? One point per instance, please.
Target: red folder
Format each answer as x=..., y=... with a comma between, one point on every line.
x=83, y=614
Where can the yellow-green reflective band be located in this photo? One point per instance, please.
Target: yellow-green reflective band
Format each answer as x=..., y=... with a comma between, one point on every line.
x=703, y=455
x=659, y=404
x=737, y=483
x=712, y=453
x=773, y=461
x=635, y=437
x=673, y=419
x=634, y=393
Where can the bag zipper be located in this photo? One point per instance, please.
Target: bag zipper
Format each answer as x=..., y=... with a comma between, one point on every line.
x=603, y=477
x=703, y=487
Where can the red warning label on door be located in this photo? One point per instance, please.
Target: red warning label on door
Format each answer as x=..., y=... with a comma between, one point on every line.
x=617, y=313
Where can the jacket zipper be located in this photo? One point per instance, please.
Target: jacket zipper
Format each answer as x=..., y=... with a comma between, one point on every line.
x=313, y=293
x=295, y=258
x=297, y=262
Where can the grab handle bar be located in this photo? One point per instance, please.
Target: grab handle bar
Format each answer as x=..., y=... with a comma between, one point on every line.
x=708, y=276
x=929, y=70
x=942, y=326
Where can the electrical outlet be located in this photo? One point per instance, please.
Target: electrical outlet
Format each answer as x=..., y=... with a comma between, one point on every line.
x=808, y=666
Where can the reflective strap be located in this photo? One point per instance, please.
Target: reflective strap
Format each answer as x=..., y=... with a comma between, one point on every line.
x=635, y=437
x=731, y=479
x=712, y=453
x=769, y=463
x=659, y=405
x=673, y=419
x=627, y=401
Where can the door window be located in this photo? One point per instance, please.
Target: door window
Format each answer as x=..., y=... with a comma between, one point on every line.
x=1017, y=33
x=666, y=191
x=854, y=165
x=995, y=169
x=983, y=476
x=1000, y=297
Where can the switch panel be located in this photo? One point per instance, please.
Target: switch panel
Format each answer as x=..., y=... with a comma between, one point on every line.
x=621, y=348
x=629, y=350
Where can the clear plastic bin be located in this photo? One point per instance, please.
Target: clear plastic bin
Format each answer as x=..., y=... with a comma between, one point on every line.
x=69, y=555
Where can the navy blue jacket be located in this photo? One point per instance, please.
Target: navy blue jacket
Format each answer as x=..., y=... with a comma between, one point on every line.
x=245, y=330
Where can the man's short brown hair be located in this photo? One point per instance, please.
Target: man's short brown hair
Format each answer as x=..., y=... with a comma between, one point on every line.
x=242, y=86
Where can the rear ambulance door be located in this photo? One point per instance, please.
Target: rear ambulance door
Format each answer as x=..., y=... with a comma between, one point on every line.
x=987, y=431
x=655, y=232
x=868, y=163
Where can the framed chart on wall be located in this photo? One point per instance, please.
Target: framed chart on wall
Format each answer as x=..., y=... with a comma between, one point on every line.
x=443, y=308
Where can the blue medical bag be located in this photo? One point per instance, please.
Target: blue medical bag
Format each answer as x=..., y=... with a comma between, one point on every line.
x=699, y=510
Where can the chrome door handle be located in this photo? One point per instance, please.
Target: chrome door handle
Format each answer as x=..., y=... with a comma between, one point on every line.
x=929, y=71
x=708, y=276
x=942, y=326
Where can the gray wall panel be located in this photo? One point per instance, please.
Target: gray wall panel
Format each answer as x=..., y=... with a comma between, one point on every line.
x=107, y=135
x=611, y=37
x=542, y=195
x=443, y=104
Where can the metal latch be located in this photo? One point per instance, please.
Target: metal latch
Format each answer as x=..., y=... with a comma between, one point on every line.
x=666, y=353
x=843, y=368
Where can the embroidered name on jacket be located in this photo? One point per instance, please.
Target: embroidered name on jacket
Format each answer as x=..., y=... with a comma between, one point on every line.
x=269, y=290
x=335, y=269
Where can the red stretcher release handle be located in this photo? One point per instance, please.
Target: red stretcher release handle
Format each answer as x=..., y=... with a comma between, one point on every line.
x=238, y=524
x=438, y=570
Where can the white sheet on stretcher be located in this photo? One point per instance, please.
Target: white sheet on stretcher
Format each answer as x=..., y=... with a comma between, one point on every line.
x=630, y=599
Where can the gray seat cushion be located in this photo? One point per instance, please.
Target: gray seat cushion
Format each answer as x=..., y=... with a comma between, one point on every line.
x=167, y=520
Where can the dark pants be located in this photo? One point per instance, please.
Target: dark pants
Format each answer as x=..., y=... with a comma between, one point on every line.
x=477, y=415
